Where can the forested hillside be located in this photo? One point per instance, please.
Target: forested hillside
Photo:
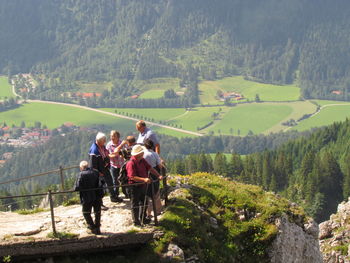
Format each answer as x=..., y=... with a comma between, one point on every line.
x=270, y=41
x=70, y=149
x=313, y=171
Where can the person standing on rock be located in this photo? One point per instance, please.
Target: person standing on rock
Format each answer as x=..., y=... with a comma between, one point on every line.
x=90, y=179
x=147, y=133
x=99, y=160
x=137, y=170
x=154, y=161
x=116, y=160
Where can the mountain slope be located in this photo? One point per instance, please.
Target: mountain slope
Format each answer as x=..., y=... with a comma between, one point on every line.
x=271, y=41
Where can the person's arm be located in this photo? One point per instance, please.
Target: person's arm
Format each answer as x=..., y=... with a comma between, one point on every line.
x=120, y=146
x=157, y=148
x=131, y=172
x=77, y=183
x=154, y=171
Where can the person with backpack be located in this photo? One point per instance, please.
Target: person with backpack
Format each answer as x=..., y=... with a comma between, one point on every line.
x=89, y=179
x=154, y=161
x=137, y=171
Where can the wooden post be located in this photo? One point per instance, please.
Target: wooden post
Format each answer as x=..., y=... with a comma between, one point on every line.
x=62, y=178
x=52, y=214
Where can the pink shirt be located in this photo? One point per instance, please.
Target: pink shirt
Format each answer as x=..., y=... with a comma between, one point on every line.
x=137, y=168
x=117, y=161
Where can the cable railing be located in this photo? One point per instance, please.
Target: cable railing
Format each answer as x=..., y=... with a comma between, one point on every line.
x=51, y=193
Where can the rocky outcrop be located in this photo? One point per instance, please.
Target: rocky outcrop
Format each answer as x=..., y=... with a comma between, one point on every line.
x=335, y=236
x=295, y=243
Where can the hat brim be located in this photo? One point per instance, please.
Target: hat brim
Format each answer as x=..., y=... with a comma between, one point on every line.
x=137, y=153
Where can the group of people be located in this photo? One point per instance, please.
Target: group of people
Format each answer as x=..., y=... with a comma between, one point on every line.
x=139, y=159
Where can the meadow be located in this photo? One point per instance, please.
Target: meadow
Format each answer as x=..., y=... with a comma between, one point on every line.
x=264, y=117
x=54, y=116
x=255, y=117
x=5, y=89
x=331, y=111
x=156, y=113
x=267, y=92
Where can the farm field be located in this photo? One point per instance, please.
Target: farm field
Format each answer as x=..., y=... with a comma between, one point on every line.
x=300, y=108
x=255, y=117
x=5, y=89
x=54, y=116
x=152, y=94
x=330, y=112
x=156, y=113
x=155, y=88
x=197, y=117
x=267, y=92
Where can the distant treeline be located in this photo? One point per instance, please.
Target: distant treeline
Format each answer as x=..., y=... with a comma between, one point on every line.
x=313, y=171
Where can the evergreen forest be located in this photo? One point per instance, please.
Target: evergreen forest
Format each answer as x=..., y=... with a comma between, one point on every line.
x=281, y=42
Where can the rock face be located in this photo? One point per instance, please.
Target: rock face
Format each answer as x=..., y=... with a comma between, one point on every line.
x=335, y=236
x=295, y=242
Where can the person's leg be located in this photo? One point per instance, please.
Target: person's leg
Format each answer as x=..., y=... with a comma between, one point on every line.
x=144, y=205
x=115, y=173
x=135, y=202
x=109, y=181
x=86, y=207
x=97, y=210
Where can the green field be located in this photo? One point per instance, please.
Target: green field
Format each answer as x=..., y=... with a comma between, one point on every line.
x=5, y=89
x=256, y=117
x=156, y=113
x=155, y=88
x=267, y=92
x=54, y=116
x=152, y=94
x=197, y=117
x=330, y=112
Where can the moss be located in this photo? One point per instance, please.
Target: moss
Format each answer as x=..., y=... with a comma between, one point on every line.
x=62, y=235
x=343, y=249
x=32, y=211
x=72, y=201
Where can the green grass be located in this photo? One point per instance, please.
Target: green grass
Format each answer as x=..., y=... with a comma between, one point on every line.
x=267, y=92
x=5, y=89
x=257, y=117
x=300, y=108
x=54, y=116
x=30, y=212
x=62, y=235
x=197, y=117
x=156, y=113
x=326, y=116
x=152, y=94
x=234, y=239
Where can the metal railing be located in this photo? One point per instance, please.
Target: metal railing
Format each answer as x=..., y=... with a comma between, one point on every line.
x=50, y=194
x=59, y=170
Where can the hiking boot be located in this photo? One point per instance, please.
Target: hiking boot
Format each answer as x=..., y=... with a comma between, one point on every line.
x=146, y=220
x=96, y=231
x=137, y=224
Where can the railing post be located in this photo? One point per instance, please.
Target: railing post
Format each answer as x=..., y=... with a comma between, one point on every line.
x=62, y=178
x=165, y=186
x=52, y=214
